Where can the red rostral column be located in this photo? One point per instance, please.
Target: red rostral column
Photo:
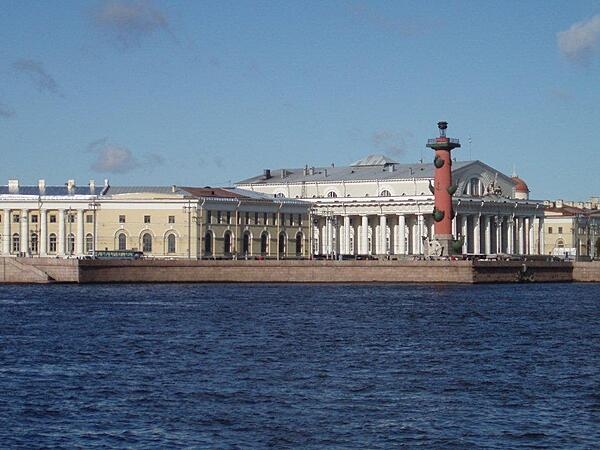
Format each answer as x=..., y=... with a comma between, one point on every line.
x=443, y=187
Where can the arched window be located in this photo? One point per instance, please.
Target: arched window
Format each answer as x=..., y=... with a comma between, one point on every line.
x=331, y=194
x=122, y=241
x=171, y=243
x=299, y=239
x=208, y=241
x=385, y=193
x=89, y=243
x=560, y=243
x=16, y=243
x=147, y=243
x=52, y=243
x=475, y=187
x=282, y=242
x=227, y=243
x=71, y=243
x=246, y=243
x=264, y=243
x=34, y=243
x=280, y=195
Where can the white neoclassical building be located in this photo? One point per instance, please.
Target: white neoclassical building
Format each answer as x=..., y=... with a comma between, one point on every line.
x=377, y=206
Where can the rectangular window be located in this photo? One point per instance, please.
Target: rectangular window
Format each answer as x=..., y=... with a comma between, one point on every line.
x=256, y=219
x=299, y=220
x=52, y=218
x=560, y=230
x=247, y=218
x=171, y=219
x=71, y=218
x=146, y=219
x=291, y=220
x=228, y=217
x=549, y=230
x=16, y=218
x=274, y=219
x=208, y=216
x=219, y=218
x=265, y=220
x=282, y=219
x=122, y=219
x=34, y=218
x=89, y=218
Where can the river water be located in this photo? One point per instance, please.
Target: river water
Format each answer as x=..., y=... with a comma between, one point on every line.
x=300, y=366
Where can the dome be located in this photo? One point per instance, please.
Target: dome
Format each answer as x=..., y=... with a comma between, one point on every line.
x=520, y=185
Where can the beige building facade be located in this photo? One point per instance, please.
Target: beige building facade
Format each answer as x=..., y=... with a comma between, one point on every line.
x=162, y=222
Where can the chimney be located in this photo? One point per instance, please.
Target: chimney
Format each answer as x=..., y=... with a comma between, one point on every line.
x=13, y=186
x=41, y=186
x=559, y=203
x=267, y=174
x=588, y=205
x=70, y=184
x=283, y=173
x=173, y=188
x=106, y=187
x=312, y=171
x=306, y=170
x=391, y=167
x=325, y=173
x=92, y=185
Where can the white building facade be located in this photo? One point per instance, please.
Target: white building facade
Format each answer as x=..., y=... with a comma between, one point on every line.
x=377, y=206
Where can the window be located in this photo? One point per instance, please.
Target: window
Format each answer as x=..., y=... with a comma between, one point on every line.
x=122, y=218
x=34, y=218
x=146, y=219
x=71, y=218
x=52, y=243
x=331, y=194
x=227, y=243
x=549, y=230
x=0, y=218
x=147, y=243
x=34, y=243
x=264, y=243
x=52, y=218
x=171, y=219
x=208, y=216
x=71, y=243
x=122, y=241
x=89, y=243
x=16, y=243
x=256, y=218
x=16, y=218
x=89, y=218
x=385, y=193
x=171, y=243
x=265, y=219
x=291, y=220
x=218, y=216
x=274, y=219
x=282, y=219
x=560, y=230
x=279, y=195
x=208, y=240
x=299, y=220
x=247, y=218
x=228, y=217
x=475, y=187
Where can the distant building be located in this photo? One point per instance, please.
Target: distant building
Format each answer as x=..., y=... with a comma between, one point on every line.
x=572, y=229
x=161, y=221
x=377, y=206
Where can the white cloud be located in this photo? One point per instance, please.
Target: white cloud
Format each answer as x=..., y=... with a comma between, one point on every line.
x=581, y=41
x=131, y=20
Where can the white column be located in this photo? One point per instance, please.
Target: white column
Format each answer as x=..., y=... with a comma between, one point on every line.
x=477, y=234
x=401, y=234
x=499, y=234
x=364, y=236
x=530, y=240
x=382, y=245
x=415, y=237
x=541, y=236
x=487, y=230
x=60, y=250
x=454, y=226
x=6, y=232
x=43, y=232
x=510, y=235
x=25, y=231
x=464, y=231
x=420, y=232
x=521, y=234
x=347, y=234
x=80, y=237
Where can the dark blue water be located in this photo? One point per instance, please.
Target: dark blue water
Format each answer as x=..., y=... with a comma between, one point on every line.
x=297, y=366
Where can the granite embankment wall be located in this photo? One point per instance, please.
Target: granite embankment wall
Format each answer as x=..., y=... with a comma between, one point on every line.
x=48, y=270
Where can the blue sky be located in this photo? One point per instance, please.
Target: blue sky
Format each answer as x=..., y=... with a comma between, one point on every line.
x=209, y=93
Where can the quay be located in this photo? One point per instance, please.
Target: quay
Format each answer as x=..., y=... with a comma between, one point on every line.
x=55, y=270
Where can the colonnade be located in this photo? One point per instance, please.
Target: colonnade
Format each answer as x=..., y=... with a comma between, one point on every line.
x=404, y=234
x=26, y=232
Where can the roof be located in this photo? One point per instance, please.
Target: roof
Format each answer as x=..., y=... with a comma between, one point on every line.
x=383, y=171
x=520, y=185
x=50, y=190
x=374, y=160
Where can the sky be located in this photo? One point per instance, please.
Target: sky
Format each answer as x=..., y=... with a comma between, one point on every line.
x=201, y=93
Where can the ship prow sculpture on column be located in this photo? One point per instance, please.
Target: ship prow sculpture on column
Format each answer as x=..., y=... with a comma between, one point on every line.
x=443, y=190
